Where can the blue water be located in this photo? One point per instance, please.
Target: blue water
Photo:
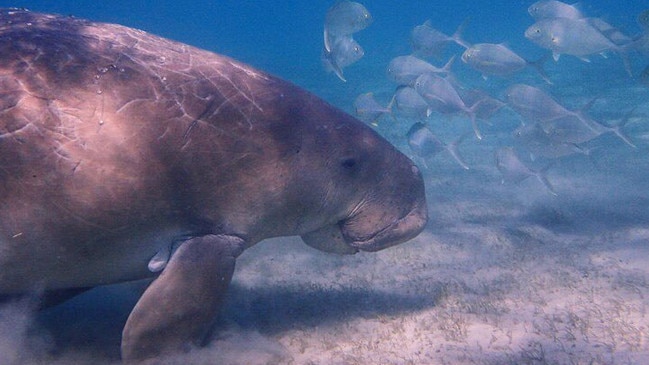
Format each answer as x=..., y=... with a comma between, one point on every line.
x=286, y=38
x=605, y=192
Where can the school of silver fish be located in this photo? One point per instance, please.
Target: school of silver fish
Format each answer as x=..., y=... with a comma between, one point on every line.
x=548, y=129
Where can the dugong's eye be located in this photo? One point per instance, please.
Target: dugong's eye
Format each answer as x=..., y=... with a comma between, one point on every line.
x=348, y=163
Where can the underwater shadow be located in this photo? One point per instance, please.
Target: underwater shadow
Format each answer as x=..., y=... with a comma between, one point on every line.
x=592, y=215
x=92, y=322
x=277, y=309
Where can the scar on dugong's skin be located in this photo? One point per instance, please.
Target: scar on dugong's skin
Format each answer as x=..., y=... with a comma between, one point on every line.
x=125, y=156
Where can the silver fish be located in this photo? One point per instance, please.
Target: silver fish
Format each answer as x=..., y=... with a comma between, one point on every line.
x=546, y=9
x=408, y=103
x=571, y=129
x=427, y=41
x=576, y=37
x=577, y=129
x=344, y=52
x=444, y=98
x=561, y=124
x=440, y=94
x=532, y=138
x=514, y=170
x=404, y=70
x=499, y=60
x=368, y=109
x=344, y=18
x=424, y=143
x=533, y=104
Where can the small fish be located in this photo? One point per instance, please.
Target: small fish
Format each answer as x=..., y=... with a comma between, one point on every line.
x=368, y=109
x=444, y=98
x=576, y=37
x=425, y=144
x=344, y=52
x=515, y=171
x=408, y=103
x=533, y=104
x=404, y=70
x=427, y=41
x=499, y=60
x=546, y=9
x=571, y=129
x=344, y=18
x=440, y=94
x=578, y=128
x=537, y=142
x=561, y=124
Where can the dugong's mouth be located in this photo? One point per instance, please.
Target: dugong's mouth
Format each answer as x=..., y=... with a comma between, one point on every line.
x=336, y=238
x=399, y=231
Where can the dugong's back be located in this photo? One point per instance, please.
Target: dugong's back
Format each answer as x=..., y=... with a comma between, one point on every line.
x=92, y=117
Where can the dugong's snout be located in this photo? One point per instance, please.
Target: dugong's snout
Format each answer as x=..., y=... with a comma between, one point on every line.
x=396, y=215
x=381, y=220
x=401, y=230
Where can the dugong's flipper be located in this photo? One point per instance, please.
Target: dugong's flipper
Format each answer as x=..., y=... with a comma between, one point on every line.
x=179, y=307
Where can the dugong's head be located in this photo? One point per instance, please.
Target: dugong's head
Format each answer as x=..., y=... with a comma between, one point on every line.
x=372, y=194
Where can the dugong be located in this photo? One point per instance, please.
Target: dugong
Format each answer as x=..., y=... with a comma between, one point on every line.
x=126, y=156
